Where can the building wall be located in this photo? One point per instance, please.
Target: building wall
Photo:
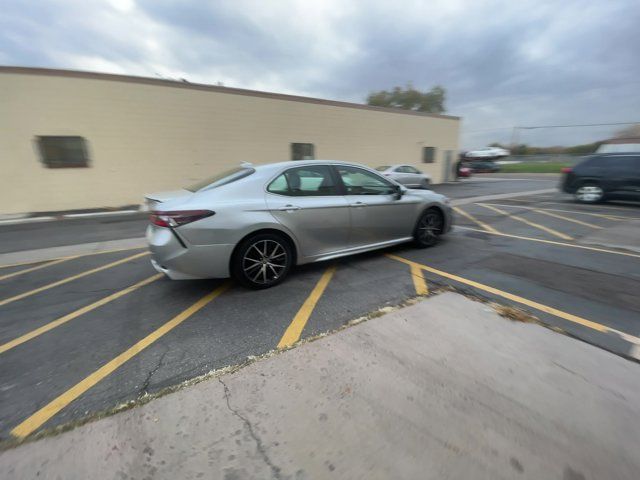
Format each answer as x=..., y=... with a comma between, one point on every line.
x=145, y=137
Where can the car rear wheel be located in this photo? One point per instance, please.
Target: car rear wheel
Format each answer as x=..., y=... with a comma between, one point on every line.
x=262, y=261
x=428, y=229
x=589, y=193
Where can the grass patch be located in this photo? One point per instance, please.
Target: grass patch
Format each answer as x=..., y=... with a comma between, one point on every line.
x=534, y=167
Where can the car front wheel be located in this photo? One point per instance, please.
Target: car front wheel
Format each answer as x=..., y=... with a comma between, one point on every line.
x=589, y=193
x=262, y=261
x=428, y=229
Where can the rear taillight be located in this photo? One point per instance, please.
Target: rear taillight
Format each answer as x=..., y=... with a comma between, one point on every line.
x=178, y=217
x=566, y=170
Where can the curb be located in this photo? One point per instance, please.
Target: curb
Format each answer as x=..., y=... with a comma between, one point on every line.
x=16, y=219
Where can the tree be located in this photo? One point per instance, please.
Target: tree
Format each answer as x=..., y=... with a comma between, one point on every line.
x=409, y=98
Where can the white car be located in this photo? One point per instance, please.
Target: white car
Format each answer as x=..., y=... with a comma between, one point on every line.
x=406, y=175
x=488, y=153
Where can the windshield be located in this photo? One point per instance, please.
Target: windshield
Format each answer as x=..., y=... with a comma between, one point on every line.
x=222, y=178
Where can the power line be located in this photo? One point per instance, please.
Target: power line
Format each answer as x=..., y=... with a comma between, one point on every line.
x=580, y=125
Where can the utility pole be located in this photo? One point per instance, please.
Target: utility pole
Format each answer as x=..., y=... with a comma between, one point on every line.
x=514, y=137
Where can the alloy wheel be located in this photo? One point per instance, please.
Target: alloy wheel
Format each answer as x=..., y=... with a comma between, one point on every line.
x=589, y=193
x=429, y=228
x=265, y=261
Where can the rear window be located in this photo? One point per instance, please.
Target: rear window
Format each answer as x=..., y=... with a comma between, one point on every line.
x=221, y=178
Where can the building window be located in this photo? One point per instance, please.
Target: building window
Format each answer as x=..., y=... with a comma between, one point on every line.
x=428, y=154
x=302, y=151
x=63, y=152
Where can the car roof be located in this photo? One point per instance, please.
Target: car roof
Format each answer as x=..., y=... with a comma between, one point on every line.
x=273, y=167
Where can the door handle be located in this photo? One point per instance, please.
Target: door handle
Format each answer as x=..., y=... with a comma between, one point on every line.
x=289, y=208
x=358, y=204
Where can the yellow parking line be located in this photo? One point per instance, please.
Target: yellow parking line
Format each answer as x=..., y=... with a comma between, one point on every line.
x=419, y=282
x=70, y=279
x=553, y=242
x=488, y=228
x=562, y=217
x=36, y=420
x=531, y=224
x=56, y=323
x=603, y=207
x=71, y=257
x=37, y=267
x=599, y=215
x=509, y=296
x=293, y=332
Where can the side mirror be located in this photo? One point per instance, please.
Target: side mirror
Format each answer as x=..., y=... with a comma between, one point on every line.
x=398, y=192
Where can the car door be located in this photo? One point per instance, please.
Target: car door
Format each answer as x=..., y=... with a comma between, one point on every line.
x=308, y=202
x=414, y=176
x=377, y=214
x=635, y=176
x=620, y=173
x=403, y=175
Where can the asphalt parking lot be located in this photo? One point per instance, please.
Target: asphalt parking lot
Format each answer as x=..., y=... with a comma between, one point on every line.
x=81, y=335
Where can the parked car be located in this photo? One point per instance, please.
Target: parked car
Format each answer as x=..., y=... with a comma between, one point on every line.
x=406, y=175
x=481, y=166
x=464, y=172
x=488, y=153
x=256, y=223
x=604, y=176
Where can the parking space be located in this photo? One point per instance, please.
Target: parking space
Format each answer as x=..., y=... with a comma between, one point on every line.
x=82, y=335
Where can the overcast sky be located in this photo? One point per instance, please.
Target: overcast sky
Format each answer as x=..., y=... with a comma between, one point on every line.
x=503, y=63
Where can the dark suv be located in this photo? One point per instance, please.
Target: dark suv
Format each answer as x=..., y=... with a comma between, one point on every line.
x=604, y=176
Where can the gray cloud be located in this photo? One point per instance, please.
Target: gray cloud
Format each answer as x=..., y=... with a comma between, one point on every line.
x=503, y=63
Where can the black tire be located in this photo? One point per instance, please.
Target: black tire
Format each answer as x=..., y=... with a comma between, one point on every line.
x=425, y=184
x=262, y=260
x=428, y=228
x=589, y=192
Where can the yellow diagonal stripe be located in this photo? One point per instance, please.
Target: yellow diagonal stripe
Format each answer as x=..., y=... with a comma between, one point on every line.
x=293, y=332
x=72, y=278
x=33, y=269
x=567, y=219
x=62, y=320
x=486, y=227
x=509, y=296
x=531, y=224
x=36, y=420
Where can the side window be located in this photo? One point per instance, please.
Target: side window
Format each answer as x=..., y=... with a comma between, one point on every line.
x=412, y=170
x=361, y=182
x=403, y=170
x=622, y=164
x=304, y=182
x=591, y=164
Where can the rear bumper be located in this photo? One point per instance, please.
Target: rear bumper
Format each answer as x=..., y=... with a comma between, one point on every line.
x=187, y=262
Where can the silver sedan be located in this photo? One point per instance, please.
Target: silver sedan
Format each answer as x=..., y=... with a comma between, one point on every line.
x=406, y=175
x=256, y=223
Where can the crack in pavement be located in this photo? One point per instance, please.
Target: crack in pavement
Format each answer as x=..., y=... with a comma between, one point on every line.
x=259, y=445
x=145, y=385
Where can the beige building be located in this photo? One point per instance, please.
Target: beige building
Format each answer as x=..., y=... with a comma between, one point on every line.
x=74, y=140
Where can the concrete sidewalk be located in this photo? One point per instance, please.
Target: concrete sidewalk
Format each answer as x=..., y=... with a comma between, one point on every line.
x=441, y=389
